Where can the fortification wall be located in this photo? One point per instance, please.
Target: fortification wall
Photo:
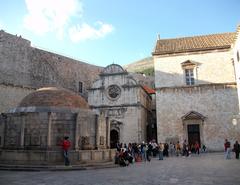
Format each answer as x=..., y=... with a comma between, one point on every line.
x=11, y=96
x=23, y=65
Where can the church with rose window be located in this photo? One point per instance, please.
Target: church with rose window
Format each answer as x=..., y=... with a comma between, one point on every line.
x=126, y=103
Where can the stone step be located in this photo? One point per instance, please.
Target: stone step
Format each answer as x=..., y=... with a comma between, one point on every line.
x=57, y=167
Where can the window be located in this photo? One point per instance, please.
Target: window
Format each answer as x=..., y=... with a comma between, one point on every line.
x=80, y=87
x=190, y=72
x=189, y=76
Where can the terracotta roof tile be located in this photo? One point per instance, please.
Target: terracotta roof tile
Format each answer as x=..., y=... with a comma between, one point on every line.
x=196, y=43
x=148, y=89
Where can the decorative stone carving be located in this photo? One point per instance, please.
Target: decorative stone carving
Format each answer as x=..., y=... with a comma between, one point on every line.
x=12, y=135
x=117, y=112
x=86, y=143
x=101, y=140
x=85, y=140
x=114, y=92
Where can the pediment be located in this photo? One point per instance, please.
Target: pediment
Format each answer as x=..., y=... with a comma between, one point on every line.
x=188, y=63
x=193, y=115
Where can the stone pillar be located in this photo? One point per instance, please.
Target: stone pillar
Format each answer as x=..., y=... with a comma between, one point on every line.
x=77, y=128
x=22, y=131
x=201, y=129
x=50, y=116
x=107, y=133
x=97, y=142
x=3, y=120
x=80, y=129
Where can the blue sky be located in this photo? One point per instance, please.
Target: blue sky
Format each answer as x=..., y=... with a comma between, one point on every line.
x=101, y=32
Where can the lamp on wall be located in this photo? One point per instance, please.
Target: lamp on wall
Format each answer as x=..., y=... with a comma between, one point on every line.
x=234, y=121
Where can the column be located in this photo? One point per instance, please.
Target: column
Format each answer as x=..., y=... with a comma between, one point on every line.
x=77, y=132
x=97, y=142
x=107, y=133
x=50, y=116
x=22, y=131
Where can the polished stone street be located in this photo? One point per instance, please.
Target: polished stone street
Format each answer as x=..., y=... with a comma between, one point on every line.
x=206, y=169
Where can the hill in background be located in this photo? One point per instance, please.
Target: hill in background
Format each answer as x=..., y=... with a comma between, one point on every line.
x=144, y=66
x=143, y=70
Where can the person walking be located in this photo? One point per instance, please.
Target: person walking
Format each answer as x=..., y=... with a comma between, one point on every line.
x=236, y=149
x=227, y=148
x=185, y=148
x=172, y=149
x=66, y=144
x=178, y=148
x=165, y=150
x=197, y=147
x=149, y=151
x=144, y=151
x=160, y=151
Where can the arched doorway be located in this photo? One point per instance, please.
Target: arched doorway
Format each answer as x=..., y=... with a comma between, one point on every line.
x=193, y=123
x=114, y=138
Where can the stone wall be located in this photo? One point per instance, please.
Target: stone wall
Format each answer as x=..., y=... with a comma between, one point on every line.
x=11, y=95
x=39, y=157
x=236, y=58
x=23, y=65
x=216, y=102
x=132, y=125
x=212, y=67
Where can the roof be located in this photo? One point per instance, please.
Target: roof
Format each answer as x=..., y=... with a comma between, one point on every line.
x=196, y=43
x=113, y=69
x=54, y=97
x=148, y=89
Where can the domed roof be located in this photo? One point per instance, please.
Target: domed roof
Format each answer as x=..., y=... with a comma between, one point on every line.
x=53, y=97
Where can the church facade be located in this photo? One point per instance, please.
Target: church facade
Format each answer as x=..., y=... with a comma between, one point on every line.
x=125, y=102
x=196, y=91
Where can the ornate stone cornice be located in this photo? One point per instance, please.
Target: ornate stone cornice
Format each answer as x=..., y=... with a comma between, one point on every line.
x=200, y=86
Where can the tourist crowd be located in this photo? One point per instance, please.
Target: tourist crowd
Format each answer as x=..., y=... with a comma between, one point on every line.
x=134, y=152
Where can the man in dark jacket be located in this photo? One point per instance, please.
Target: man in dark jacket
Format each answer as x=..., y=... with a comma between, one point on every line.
x=236, y=149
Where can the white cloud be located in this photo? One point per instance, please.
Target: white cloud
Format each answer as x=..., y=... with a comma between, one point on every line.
x=50, y=15
x=85, y=31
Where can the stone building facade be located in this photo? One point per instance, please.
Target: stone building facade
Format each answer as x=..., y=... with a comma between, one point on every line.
x=236, y=60
x=24, y=68
x=125, y=103
x=196, y=92
x=32, y=132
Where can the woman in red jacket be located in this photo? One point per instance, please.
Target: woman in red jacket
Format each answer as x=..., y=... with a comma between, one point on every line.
x=65, y=146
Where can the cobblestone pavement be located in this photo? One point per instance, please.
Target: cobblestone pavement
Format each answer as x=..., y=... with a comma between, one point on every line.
x=206, y=169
